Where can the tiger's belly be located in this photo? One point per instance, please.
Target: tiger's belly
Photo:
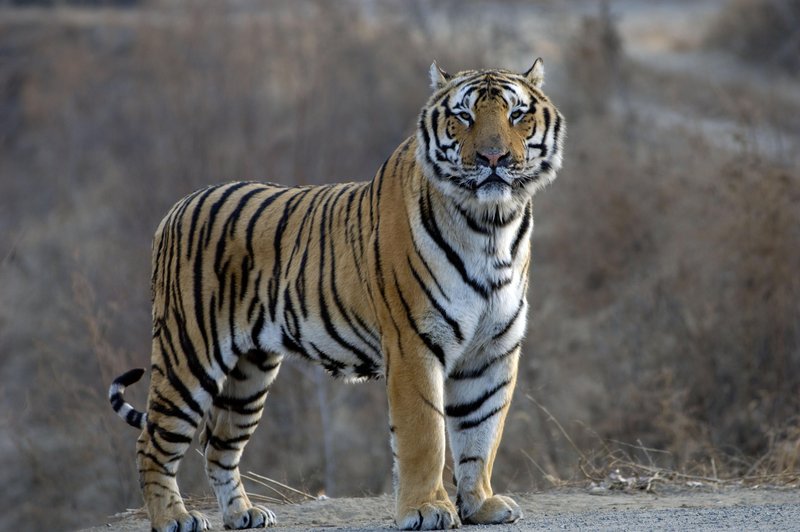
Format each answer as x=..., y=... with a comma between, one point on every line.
x=344, y=341
x=351, y=349
x=346, y=345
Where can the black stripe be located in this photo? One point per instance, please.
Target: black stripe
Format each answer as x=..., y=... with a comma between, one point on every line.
x=264, y=361
x=464, y=425
x=167, y=407
x=217, y=205
x=400, y=351
x=195, y=217
x=332, y=365
x=232, y=467
x=431, y=227
x=376, y=227
x=293, y=346
x=332, y=271
x=430, y=404
x=195, y=367
x=158, y=447
x=556, y=133
x=199, y=305
x=472, y=223
x=360, y=218
x=476, y=373
x=367, y=329
x=319, y=201
x=510, y=322
x=546, y=115
x=215, y=343
x=289, y=315
x=169, y=348
x=428, y=268
x=162, y=466
x=168, y=435
x=274, y=282
x=425, y=337
x=255, y=300
x=522, y=230
x=450, y=321
x=176, y=382
x=129, y=377
x=465, y=409
x=117, y=402
x=239, y=404
x=258, y=325
x=232, y=307
x=256, y=215
x=310, y=210
x=134, y=418
x=327, y=321
x=227, y=444
x=230, y=226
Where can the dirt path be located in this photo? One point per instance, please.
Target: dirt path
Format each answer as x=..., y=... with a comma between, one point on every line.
x=672, y=509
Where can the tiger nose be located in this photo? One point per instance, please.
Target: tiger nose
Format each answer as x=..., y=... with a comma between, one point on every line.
x=492, y=158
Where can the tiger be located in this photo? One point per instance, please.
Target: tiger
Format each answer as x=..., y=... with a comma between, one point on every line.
x=418, y=276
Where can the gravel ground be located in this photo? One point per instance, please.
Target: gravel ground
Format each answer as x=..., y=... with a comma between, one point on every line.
x=566, y=509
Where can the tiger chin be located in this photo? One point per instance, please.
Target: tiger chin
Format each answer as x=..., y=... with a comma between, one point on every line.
x=418, y=276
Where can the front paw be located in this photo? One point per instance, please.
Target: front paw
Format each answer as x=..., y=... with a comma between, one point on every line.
x=183, y=522
x=492, y=511
x=436, y=515
x=253, y=517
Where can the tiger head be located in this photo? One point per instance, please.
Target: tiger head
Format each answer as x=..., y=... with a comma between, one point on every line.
x=490, y=138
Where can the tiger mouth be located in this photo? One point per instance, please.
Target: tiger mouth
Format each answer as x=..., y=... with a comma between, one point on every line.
x=492, y=180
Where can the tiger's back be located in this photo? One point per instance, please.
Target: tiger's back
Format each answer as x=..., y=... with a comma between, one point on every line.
x=419, y=276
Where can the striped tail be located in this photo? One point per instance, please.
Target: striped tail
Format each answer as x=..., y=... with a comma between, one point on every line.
x=133, y=417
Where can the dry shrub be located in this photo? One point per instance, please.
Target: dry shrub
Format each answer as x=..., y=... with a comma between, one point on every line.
x=594, y=63
x=664, y=308
x=766, y=33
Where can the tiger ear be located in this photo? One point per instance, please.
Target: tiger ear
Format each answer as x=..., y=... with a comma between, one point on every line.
x=439, y=77
x=535, y=74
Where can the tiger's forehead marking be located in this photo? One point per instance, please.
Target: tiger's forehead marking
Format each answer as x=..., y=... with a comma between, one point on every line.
x=488, y=86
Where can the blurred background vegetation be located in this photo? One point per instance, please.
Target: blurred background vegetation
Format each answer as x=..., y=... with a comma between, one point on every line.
x=665, y=300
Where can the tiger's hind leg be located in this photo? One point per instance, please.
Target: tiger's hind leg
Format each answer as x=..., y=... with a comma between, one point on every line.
x=174, y=412
x=232, y=419
x=477, y=403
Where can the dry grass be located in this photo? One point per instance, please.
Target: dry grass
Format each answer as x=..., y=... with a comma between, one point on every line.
x=664, y=300
x=765, y=33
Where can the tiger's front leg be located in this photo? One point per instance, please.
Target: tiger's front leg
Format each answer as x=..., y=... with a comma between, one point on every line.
x=415, y=390
x=476, y=408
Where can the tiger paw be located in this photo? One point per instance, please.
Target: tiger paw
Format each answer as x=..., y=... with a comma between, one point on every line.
x=494, y=510
x=183, y=522
x=253, y=517
x=437, y=515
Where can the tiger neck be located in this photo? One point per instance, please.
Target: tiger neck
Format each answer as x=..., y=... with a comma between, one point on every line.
x=499, y=235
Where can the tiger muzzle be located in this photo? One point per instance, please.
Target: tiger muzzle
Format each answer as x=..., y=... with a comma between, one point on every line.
x=493, y=158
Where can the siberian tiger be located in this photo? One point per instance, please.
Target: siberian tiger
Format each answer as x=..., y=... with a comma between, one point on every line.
x=418, y=276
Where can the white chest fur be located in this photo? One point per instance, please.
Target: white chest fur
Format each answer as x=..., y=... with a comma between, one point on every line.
x=480, y=274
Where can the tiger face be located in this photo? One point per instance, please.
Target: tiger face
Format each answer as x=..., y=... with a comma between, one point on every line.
x=490, y=138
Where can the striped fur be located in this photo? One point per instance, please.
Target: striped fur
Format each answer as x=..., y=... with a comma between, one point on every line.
x=418, y=276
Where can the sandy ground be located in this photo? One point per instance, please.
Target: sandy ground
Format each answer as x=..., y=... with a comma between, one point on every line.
x=668, y=509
